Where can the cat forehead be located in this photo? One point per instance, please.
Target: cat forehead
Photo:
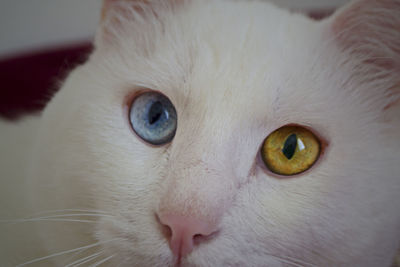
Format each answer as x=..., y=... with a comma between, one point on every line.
x=246, y=52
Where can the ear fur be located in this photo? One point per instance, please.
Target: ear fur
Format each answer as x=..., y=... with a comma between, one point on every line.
x=111, y=5
x=115, y=13
x=369, y=30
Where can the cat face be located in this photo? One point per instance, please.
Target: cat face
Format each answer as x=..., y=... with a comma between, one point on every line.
x=235, y=71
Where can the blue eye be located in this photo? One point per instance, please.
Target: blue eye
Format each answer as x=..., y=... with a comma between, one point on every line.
x=153, y=118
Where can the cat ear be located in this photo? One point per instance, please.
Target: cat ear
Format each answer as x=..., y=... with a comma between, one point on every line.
x=117, y=13
x=116, y=7
x=369, y=31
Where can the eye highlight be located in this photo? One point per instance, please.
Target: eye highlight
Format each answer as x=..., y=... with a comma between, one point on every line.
x=290, y=150
x=153, y=118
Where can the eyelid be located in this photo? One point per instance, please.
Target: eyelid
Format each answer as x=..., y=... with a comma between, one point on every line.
x=130, y=97
x=127, y=102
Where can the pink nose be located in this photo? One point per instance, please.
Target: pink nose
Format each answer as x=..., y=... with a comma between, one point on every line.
x=184, y=232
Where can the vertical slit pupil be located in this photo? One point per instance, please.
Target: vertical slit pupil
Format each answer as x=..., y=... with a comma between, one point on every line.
x=156, y=111
x=289, y=148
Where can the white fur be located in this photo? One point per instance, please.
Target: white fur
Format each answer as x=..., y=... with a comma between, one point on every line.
x=235, y=71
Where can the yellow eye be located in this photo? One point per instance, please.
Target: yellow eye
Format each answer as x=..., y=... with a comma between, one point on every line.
x=290, y=150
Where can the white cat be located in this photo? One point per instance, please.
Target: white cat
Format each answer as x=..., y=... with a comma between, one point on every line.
x=154, y=152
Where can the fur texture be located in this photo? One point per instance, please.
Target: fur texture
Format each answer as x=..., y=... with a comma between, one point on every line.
x=235, y=71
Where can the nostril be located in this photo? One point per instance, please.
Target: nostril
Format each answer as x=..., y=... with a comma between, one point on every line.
x=199, y=238
x=165, y=229
x=184, y=232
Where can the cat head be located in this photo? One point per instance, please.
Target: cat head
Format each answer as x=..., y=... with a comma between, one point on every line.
x=234, y=72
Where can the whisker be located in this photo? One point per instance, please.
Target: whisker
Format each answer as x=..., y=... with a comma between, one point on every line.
x=67, y=252
x=293, y=261
x=288, y=262
x=102, y=261
x=300, y=261
x=84, y=260
x=73, y=215
x=54, y=218
x=68, y=210
x=49, y=220
x=75, y=255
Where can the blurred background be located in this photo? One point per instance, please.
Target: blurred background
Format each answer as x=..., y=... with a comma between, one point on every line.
x=40, y=40
x=33, y=24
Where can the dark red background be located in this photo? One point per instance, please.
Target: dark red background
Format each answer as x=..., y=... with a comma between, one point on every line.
x=29, y=80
